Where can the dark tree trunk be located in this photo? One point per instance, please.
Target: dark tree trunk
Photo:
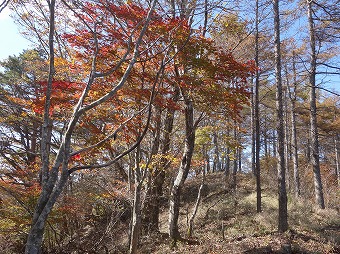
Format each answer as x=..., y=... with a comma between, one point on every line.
x=217, y=163
x=227, y=163
x=235, y=163
x=151, y=210
x=257, y=132
x=253, y=142
x=283, y=213
x=207, y=161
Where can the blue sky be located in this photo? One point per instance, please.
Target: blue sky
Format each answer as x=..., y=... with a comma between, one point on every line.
x=12, y=43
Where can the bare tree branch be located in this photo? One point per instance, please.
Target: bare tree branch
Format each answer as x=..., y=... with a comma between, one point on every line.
x=3, y=5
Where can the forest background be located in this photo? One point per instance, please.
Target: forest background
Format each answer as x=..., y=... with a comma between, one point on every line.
x=116, y=104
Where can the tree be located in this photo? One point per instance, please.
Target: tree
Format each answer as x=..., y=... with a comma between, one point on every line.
x=313, y=120
x=283, y=215
x=55, y=174
x=203, y=70
x=293, y=97
x=256, y=117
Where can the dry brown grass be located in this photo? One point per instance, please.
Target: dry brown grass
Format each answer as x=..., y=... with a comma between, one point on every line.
x=227, y=222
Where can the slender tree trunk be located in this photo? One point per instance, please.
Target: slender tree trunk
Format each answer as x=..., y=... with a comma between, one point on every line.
x=207, y=160
x=287, y=139
x=256, y=114
x=283, y=214
x=337, y=163
x=313, y=122
x=235, y=160
x=183, y=170
x=136, y=209
x=194, y=211
x=239, y=159
x=152, y=210
x=227, y=163
x=265, y=137
x=217, y=164
x=150, y=215
x=292, y=96
x=252, y=123
x=295, y=154
x=274, y=143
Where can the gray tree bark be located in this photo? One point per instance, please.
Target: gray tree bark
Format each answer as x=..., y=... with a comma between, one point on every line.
x=314, y=142
x=337, y=163
x=257, y=167
x=287, y=136
x=292, y=97
x=35, y=235
x=183, y=169
x=283, y=213
x=136, y=209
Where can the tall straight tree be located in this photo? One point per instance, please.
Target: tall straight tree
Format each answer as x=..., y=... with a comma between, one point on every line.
x=292, y=97
x=281, y=172
x=314, y=143
x=256, y=114
x=336, y=151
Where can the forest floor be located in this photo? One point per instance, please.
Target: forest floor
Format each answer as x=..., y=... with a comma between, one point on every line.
x=227, y=222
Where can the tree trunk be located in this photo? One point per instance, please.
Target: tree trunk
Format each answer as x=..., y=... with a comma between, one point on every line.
x=183, y=170
x=235, y=163
x=151, y=211
x=283, y=214
x=207, y=160
x=252, y=123
x=194, y=211
x=295, y=154
x=136, y=209
x=257, y=168
x=274, y=138
x=265, y=136
x=217, y=164
x=43, y=208
x=227, y=163
x=337, y=163
x=239, y=157
x=292, y=97
x=313, y=122
x=287, y=139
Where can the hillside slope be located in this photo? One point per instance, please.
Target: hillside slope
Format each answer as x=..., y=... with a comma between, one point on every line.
x=227, y=222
